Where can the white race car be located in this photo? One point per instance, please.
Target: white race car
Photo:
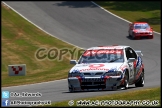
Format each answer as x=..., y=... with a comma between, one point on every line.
x=107, y=68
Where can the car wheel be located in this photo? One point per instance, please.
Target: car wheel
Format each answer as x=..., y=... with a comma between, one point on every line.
x=141, y=81
x=71, y=89
x=126, y=82
x=129, y=35
x=133, y=37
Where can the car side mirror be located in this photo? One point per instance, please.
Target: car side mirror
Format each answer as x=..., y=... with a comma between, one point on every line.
x=73, y=62
x=151, y=28
x=131, y=60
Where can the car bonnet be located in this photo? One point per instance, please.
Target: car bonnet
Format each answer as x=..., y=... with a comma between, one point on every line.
x=95, y=67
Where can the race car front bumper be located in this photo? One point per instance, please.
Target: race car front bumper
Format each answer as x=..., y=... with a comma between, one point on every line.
x=142, y=34
x=97, y=83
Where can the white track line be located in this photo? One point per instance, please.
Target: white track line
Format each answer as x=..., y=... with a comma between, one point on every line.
x=56, y=37
x=116, y=15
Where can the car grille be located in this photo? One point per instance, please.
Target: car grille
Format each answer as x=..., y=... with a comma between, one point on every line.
x=144, y=33
x=93, y=85
x=92, y=74
x=87, y=73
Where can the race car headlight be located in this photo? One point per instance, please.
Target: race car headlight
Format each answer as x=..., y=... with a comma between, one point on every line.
x=74, y=74
x=150, y=32
x=136, y=32
x=115, y=73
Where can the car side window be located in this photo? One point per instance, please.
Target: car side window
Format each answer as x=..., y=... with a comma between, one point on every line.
x=133, y=53
x=130, y=53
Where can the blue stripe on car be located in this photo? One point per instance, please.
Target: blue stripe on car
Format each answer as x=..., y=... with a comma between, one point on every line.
x=139, y=62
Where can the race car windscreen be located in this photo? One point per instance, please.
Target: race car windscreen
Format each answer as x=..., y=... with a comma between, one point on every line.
x=141, y=26
x=102, y=56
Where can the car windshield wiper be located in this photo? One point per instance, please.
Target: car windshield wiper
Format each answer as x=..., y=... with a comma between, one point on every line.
x=114, y=60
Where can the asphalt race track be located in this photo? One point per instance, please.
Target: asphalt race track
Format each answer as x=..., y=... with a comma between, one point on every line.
x=85, y=25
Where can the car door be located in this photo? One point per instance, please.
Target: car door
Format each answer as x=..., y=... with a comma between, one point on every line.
x=131, y=54
x=134, y=55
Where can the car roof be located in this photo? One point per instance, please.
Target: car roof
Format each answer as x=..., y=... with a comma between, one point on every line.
x=108, y=47
x=140, y=23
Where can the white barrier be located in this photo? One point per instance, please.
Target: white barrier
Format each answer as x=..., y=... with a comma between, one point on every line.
x=17, y=70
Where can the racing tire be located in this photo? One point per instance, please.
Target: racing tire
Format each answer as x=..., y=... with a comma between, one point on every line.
x=129, y=35
x=133, y=37
x=126, y=82
x=71, y=89
x=141, y=81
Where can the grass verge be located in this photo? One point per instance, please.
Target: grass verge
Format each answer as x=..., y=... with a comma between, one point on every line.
x=148, y=11
x=145, y=97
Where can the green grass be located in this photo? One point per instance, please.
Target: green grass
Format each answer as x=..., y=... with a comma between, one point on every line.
x=20, y=41
x=149, y=94
x=148, y=11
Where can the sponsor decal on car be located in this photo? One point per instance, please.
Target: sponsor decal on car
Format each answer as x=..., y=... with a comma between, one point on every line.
x=88, y=69
x=96, y=65
x=106, y=51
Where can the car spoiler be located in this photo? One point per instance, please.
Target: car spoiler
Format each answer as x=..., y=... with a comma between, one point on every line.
x=139, y=52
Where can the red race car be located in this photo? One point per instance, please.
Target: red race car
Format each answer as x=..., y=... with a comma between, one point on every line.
x=140, y=29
